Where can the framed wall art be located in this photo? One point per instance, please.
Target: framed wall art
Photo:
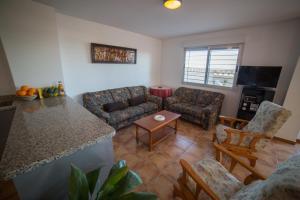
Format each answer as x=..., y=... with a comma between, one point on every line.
x=102, y=53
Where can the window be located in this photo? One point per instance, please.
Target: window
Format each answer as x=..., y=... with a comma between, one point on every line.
x=212, y=65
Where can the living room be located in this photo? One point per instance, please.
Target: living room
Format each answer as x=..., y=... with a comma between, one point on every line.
x=46, y=43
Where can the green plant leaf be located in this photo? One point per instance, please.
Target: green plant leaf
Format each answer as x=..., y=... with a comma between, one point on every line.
x=138, y=196
x=92, y=178
x=128, y=183
x=116, y=166
x=78, y=185
x=113, y=179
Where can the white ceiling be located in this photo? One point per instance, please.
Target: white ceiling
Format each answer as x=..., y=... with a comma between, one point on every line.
x=149, y=17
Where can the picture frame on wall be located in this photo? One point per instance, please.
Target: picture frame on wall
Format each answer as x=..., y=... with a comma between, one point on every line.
x=102, y=53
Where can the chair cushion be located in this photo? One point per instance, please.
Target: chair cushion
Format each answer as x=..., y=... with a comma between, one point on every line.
x=284, y=183
x=222, y=136
x=121, y=115
x=268, y=119
x=148, y=106
x=217, y=178
x=110, y=107
x=137, y=100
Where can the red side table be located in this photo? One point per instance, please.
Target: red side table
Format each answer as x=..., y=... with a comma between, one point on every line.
x=162, y=92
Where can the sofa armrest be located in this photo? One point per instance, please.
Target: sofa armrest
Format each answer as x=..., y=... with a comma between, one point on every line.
x=155, y=99
x=96, y=110
x=211, y=113
x=171, y=100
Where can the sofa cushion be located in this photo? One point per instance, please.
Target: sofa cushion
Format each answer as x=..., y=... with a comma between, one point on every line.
x=149, y=106
x=186, y=108
x=186, y=95
x=120, y=94
x=217, y=177
x=137, y=100
x=110, y=107
x=97, y=98
x=121, y=115
x=137, y=91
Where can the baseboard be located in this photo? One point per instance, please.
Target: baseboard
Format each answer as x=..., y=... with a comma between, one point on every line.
x=285, y=140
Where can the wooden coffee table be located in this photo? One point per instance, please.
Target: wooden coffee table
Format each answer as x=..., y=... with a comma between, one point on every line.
x=152, y=126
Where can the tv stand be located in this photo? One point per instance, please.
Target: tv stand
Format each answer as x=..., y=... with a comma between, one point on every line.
x=250, y=100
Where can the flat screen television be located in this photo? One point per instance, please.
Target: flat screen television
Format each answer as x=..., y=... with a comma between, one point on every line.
x=258, y=76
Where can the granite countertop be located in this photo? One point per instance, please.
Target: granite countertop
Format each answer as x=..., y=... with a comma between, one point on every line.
x=46, y=130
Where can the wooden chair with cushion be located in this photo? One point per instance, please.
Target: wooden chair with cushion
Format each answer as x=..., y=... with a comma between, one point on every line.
x=211, y=177
x=245, y=138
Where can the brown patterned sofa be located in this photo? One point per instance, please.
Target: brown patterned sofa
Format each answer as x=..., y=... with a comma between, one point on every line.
x=94, y=102
x=195, y=105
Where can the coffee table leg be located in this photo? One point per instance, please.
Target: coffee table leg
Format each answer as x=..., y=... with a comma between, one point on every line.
x=176, y=126
x=150, y=141
x=137, y=134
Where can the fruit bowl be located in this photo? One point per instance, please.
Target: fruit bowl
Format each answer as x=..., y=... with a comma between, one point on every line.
x=27, y=98
x=159, y=118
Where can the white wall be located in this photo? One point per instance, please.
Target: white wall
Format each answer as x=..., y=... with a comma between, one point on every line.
x=291, y=128
x=80, y=75
x=29, y=36
x=275, y=44
x=6, y=83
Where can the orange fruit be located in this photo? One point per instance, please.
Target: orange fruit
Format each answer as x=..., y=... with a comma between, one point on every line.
x=31, y=92
x=21, y=93
x=24, y=87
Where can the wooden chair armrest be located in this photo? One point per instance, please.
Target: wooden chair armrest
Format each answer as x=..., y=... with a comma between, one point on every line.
x=256, y=137
x=232, y=121
x=254, y=174
x=188, y=170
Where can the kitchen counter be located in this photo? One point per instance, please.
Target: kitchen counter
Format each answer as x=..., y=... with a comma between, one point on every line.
x=45, y=130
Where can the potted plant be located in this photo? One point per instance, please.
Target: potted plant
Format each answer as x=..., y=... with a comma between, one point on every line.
x=118, y=185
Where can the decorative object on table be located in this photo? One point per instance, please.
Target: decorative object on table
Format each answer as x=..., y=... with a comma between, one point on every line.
x=159, y=118
x=118, y=185
x=26, y=93
x=61, y=90
x=102, y=53
x=50, y=91
x=162, y=92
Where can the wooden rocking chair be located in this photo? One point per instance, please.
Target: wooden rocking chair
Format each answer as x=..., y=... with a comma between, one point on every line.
x=217, y=182
x=244, y=137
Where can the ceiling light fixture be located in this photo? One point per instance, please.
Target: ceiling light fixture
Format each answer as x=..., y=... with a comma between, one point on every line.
x=172, y=4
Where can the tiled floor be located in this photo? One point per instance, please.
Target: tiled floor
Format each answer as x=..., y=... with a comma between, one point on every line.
x=160, y=168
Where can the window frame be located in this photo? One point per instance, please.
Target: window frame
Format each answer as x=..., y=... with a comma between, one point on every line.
x=209, y=48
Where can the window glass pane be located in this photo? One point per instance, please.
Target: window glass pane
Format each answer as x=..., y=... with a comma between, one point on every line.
x=195, y=66
x=222, y=66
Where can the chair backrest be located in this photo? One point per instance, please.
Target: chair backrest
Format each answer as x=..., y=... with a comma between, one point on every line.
x=268, y=119
x=284, y=183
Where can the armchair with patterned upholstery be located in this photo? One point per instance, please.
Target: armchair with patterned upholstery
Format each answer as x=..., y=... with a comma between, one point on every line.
x=211, y=177
x=245, y=138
